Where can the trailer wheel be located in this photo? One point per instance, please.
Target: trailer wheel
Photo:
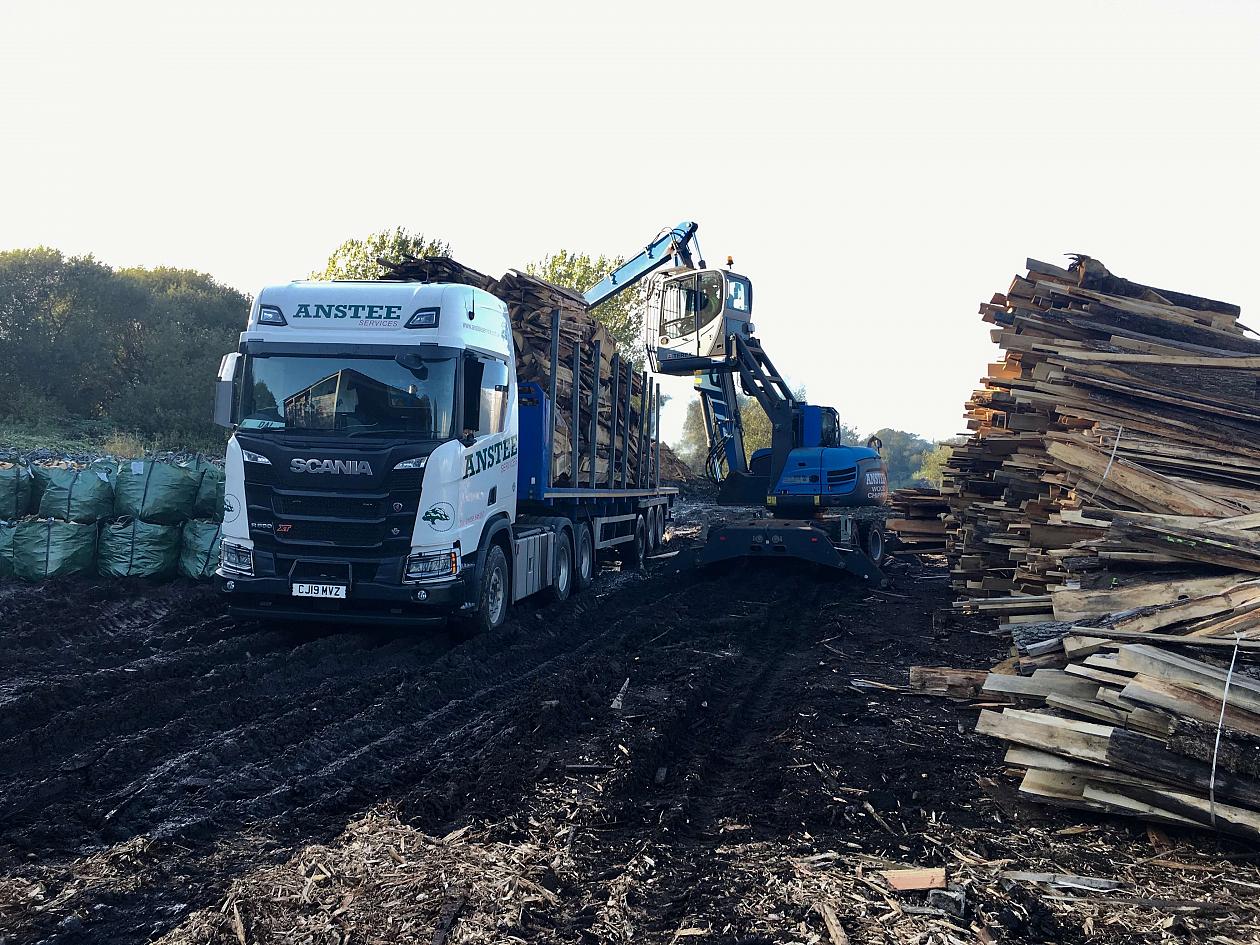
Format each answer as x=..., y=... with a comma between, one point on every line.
x=562, y=573
x=660, y=526
x=632, y=553
x=584, y=556
x=493, y=597
x=649, y=526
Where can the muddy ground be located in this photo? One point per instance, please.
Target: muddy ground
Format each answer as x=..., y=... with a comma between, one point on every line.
x=156, y=754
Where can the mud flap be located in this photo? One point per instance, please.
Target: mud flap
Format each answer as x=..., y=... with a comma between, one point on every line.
x=769, y=538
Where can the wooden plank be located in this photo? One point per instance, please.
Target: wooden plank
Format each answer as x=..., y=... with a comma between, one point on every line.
x=1081, y=740
x=910, y=879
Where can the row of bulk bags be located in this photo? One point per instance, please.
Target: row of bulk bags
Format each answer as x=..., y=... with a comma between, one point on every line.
x=155, y=491
x=34, y=549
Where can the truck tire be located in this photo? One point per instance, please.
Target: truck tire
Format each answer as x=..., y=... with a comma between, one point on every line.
x=660, y=527
x=562, y=573
x=583, y=556
x=632, y=553
x=493, y=597
x=649, y=524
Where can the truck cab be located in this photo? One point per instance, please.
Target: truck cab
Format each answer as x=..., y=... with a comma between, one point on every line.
x=374, y=450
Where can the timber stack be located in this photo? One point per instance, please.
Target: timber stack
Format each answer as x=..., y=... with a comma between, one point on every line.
x=531, y=302
x=1137, y=728
x=1116, y=446
x=918, y=520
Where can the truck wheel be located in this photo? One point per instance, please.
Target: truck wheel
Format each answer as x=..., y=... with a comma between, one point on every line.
x=632, y=553
x=562, y=573
x=660, y=526
x=492, y=600
x=584, y=557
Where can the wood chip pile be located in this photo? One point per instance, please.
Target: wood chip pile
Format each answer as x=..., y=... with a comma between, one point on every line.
x=382, y=881
x=530, y=302
x=918, y=520
x=1118, y=435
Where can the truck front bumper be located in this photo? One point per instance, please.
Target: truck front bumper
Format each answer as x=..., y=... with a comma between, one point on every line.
x=366, y=602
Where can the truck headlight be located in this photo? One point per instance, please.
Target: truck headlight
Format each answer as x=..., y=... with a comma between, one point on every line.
x=236, y=558
x=429, y=566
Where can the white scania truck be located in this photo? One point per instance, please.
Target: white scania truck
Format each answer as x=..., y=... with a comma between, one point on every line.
x=386, y=466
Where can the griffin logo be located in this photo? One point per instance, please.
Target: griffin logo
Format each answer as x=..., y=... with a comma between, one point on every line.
x=439, y=516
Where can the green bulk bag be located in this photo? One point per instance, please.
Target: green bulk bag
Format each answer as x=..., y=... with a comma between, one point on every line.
x=157, y=493
x=199, y=549
x=209, y=501
x=75, y=495
x=44, y=548
x=132, y=548
x=6, y=549
x=17, y=489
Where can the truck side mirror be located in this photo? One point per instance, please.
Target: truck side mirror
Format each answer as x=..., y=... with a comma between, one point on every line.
x=225, y=390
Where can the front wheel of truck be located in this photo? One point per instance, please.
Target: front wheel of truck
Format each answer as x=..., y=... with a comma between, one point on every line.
x=492, y=596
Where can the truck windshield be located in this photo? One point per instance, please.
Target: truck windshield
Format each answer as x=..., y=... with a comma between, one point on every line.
x=412, y=395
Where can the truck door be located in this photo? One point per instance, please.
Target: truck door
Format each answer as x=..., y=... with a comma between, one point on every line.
x=490, y=454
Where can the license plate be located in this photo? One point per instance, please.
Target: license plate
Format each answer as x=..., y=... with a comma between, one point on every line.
x=319, y=590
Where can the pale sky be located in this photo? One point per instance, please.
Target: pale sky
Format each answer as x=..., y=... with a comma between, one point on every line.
x=877, y=169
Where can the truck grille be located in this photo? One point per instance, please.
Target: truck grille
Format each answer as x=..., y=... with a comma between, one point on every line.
x=330, y=506
x=351, y=534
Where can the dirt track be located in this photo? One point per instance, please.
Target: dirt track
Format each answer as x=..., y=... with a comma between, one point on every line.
x=152, y=749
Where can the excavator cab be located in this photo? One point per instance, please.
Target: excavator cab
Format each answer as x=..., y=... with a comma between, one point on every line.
x=690, y=315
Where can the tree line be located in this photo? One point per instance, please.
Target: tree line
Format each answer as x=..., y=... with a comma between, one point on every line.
x=133, y=350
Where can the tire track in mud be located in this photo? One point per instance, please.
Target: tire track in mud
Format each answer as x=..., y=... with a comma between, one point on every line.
x=189, y=728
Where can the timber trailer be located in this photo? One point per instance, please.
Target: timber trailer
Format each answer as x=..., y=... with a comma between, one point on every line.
x=386, y=465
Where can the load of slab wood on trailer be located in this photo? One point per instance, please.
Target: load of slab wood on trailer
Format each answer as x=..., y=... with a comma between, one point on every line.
x=1106, y=509
x=624, y=453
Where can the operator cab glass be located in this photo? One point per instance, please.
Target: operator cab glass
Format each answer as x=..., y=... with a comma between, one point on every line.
x=830, y=435
x=738, y=293
x=691, y=314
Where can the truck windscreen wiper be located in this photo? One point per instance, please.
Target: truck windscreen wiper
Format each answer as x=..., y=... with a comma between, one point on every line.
x=388, y=432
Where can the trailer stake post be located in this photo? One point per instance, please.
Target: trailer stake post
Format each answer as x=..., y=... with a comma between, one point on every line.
x=625, y=435
x=575, y=426
x=552, y=406
x=597, y=369
x=615, y=404
x=656, y=453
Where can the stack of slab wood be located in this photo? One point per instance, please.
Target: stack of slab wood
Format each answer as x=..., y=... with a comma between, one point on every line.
x=1137, y=729
x=531, y=302
x=1115, y=445
x=918, y=520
